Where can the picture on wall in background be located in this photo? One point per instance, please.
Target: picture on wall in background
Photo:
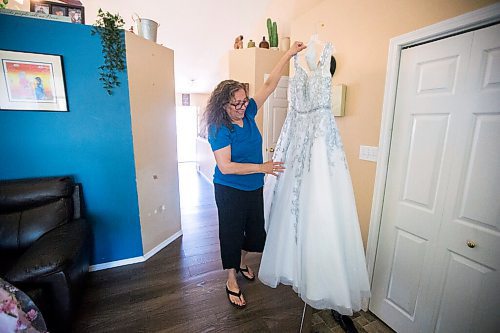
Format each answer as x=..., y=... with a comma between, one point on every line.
x=70, y=9
x=31, y=82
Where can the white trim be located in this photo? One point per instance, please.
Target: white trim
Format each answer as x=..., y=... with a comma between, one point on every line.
x=117, y=263
x=160, y=246
x=136, y=260
x=477, y=18
x=210, y=181
x=265, y=123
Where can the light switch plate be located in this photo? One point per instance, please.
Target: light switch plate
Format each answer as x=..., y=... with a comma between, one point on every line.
x=368, y=153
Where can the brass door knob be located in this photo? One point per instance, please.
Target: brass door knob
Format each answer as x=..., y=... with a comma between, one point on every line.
x=471, y=244
x=271, y=150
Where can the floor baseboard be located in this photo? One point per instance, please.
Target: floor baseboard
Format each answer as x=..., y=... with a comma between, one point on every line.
x=135, y=260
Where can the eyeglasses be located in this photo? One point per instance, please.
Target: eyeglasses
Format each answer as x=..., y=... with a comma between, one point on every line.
x=240, y=105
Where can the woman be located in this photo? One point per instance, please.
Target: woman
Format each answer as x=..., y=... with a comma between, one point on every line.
x=239, y=173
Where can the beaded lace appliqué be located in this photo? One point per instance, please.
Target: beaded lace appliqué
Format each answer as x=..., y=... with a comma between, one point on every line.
x=309, y=119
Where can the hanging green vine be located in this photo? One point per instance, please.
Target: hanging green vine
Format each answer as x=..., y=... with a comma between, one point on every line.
x=4, y=3
x=108, y=27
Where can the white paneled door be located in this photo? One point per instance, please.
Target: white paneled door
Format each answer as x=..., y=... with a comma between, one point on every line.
x=438, y=254
x=275, y=110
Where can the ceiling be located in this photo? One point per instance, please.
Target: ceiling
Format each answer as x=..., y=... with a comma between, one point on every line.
x=202, y=32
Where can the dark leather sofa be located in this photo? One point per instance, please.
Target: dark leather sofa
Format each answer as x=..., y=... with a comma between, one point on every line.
x=45, y=244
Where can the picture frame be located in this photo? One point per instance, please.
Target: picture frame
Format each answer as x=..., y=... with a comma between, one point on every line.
x=40, y=8
x=59, y=10
x=74, y=12
x=31, y=82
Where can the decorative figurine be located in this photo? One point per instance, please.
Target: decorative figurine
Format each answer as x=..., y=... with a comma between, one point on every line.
x=238, y=42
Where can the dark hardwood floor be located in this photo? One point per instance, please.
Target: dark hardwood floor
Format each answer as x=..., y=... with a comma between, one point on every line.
x=181, y=288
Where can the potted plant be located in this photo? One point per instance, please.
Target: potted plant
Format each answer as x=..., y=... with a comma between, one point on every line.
x=272, y=30
x=108, y=27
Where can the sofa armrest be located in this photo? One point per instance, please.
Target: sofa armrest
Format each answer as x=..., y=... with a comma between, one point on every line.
x=53, y=252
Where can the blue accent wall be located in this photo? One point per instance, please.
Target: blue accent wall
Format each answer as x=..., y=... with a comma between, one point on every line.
x=92, y=142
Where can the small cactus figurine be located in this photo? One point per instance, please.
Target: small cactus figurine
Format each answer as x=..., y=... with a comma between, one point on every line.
x=272, y=30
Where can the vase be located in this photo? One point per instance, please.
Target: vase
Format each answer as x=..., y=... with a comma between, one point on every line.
x=285, y=43
x=251, y=43
x=264, y=44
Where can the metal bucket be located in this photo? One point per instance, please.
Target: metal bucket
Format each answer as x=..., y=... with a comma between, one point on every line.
x=146, y=28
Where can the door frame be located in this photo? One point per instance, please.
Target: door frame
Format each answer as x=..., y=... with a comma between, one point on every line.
x=481, y=17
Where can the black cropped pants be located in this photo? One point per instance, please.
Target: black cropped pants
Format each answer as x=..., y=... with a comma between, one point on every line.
x=241, y=223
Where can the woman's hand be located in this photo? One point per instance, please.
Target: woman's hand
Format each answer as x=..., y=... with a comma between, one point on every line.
x=296, y=48
x=273, y=168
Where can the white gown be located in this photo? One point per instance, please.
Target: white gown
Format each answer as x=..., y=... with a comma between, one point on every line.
x=313, y=238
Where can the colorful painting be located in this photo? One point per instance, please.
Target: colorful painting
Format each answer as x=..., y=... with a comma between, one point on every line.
x=31, y=81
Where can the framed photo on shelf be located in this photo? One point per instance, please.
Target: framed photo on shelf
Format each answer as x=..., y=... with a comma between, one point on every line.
x=75, y=12
x=59, y=10
x=39, y=8
x=31, y=82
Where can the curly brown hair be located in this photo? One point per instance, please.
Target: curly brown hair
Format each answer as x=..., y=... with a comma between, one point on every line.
x=215, y=114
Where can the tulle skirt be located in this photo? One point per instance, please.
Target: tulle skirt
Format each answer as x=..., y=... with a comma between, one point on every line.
x=313, y=241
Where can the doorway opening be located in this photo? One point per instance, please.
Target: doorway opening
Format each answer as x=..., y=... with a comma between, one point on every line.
x=187, y=129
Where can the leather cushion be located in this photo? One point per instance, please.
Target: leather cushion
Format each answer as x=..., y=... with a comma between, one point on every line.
x=16, y=195
x=54, y=252
x=9, y=231
x=19, y=230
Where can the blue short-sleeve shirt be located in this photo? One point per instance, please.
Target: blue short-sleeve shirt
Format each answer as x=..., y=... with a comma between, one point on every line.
x=246, y=147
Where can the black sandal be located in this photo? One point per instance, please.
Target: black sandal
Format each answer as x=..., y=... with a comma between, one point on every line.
x=232, y=293
x=245, y=270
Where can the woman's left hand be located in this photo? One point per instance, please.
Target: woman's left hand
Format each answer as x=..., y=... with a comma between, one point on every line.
x=273, y=168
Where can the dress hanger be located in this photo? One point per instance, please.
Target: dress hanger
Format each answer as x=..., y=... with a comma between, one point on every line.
x=315, y=39
x=311, y=52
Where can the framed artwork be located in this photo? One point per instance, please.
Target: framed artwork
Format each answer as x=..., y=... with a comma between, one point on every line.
x=186, y=99
x=31, y=82
x=76, y=15
x=74, y=12
x=38, y=8
x=59, y=10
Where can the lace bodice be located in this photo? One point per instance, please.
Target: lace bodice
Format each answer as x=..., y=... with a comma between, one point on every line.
x=311, y=91
x=309, y=115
